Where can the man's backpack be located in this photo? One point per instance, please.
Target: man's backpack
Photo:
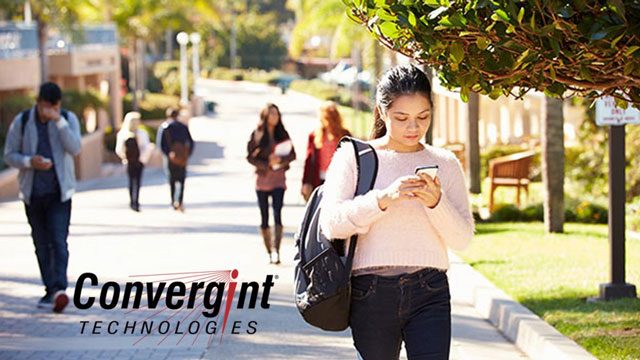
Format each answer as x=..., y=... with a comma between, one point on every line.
x=178, y=151
x=322, y=273
x=132, y=150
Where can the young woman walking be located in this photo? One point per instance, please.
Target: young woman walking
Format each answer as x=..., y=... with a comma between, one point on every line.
x=400, y=290
x=322, y=143
x=270, y=150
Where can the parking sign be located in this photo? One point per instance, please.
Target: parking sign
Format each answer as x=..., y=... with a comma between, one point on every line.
x=607, y=113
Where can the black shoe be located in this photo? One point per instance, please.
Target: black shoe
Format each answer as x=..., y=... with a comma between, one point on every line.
x=45, y=302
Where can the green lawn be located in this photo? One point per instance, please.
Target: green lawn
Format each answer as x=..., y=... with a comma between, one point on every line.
x=553, y=275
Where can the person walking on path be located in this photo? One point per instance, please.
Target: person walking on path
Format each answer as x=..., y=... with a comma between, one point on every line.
x=176, y=143
x=322, y=143
x=134, y=148
x=405, y=224
x=270, y=150
x=41, y=143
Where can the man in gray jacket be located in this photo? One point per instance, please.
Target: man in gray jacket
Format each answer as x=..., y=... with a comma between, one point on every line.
x=41, y=143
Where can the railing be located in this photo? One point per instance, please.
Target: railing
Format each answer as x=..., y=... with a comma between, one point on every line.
x=18, y=41
x=21, y=40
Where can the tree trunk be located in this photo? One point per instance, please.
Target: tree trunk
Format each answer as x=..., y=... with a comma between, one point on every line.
x=473, y=144
x=553, y=166
x=133, y=74
x=428, y=137
x=140, y=69
x=168, y=39
x=42, y=28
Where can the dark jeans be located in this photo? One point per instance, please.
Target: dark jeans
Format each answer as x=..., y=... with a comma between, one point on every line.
x=177, y=175
x=49, y=219
x=134, y=170
x=277, y=197
x=414, y=308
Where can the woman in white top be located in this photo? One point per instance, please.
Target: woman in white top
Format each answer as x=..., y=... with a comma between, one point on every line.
x=405, y=224
x=134, y=148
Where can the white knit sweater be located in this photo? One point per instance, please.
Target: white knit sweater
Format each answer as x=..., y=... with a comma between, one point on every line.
x=407, y=233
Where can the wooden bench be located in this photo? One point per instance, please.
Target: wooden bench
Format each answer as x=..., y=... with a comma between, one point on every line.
x=510, y=170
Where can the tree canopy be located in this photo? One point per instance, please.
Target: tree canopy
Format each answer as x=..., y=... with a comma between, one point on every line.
x=502, y=47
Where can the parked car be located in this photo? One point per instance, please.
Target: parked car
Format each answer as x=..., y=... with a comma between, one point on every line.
x=345, y=74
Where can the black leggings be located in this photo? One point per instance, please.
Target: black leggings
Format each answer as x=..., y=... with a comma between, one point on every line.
x=277, y=197
x=134, y=170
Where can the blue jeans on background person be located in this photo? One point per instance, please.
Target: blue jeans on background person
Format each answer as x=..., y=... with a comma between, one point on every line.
x=414, y=308
x=49, y=219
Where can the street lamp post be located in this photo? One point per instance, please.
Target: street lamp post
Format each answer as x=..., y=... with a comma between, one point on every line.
x=195, y=58
x=183, y=40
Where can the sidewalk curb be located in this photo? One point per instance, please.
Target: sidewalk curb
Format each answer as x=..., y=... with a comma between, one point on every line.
x=526, y=330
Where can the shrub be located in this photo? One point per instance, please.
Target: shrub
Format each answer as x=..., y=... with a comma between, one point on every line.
x=505, y=212
x=153, y=107
x=10, y=107
x=110, y=139
x=587, y=212
x=272, y=77
x=570, y=215
x=533, y=213
x=168, y=73
x=77, y=102
x=152, y=131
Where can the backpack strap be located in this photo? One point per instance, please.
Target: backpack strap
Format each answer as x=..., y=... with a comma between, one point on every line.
x=24, y=118
x=367, y=165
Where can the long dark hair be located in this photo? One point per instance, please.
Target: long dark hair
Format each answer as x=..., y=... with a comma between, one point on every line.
x=397, y=81
x=279, y=132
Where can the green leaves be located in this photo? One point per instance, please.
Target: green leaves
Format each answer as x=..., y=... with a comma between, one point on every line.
x=457, y=52
x=412, y=19
x=520, y=15
x=515, y=44
x=482, y=43
x=389, y=29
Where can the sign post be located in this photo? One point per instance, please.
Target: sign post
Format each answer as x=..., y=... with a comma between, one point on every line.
x=608, y=114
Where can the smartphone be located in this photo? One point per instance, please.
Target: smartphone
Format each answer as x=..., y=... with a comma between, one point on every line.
x=431, y=170
x=46, y=160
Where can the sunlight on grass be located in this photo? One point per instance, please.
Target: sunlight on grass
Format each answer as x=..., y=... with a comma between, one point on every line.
x=554, y=274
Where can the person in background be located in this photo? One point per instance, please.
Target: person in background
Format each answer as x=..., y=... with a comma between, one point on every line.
x=134, y=148
x=270, y=150
x=176, y=143
x=41, y=143
x=323, y=142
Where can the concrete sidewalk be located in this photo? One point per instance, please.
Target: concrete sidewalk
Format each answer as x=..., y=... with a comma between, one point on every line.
x=217, y=232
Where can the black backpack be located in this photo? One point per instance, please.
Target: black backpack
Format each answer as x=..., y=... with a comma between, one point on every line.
x=131, y=150
x=322, y=272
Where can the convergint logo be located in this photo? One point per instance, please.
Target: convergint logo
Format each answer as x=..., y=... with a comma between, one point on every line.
x=181, y=304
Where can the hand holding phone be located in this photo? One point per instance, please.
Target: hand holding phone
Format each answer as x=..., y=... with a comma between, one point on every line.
x=431, y=170
x=41, y=163
x=430, y=194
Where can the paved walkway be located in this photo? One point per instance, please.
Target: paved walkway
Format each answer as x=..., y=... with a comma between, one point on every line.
x=217, y=232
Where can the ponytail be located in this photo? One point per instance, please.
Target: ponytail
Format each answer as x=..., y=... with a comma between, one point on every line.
x=379, y=127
